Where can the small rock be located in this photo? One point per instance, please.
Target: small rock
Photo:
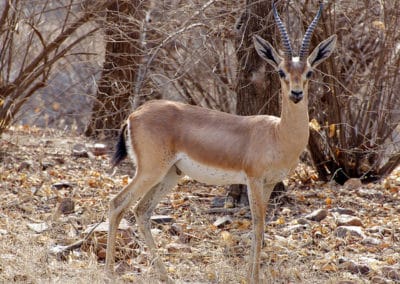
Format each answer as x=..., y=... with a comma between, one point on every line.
x=162, y=219
x=379, y=280
x=103, y=227
x=379, y=230
x=352, y=184
x=318, y=234
x=61, y=185
x=34, y=190
x=347, y=220
x=391, y=272
x=286, y=211
x=329, y=267
x=156, y=231
x=303, y=221
x=221, y=201
x=25, y=165
x=317, y=215
x=224, y=220
x=185, y=238
x=3, y=232
x=27, y=208
x=296, y=228
x=369, y=193
x=344, y=231
x=45, y=165
x=369, y=241
x=98, y=149
x=355, y=268
x=67, y=206
x=175, y=230
x=80, y=151
x=59, y=160
x=227, y=238
x=341, y=210
x=38, y=227
x=178, y=248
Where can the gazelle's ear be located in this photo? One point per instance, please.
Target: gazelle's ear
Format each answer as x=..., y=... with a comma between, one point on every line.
x=322, y=51
x=266, y=51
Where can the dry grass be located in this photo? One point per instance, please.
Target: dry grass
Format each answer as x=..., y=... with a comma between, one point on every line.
x=209, y=255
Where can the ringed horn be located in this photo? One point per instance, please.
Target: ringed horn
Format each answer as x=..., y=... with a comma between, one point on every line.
x=306, y=39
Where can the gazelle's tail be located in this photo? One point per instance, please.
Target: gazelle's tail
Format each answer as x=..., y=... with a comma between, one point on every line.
x=120, y=149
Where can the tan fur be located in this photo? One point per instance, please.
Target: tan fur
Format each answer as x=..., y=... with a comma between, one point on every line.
x=262, y=149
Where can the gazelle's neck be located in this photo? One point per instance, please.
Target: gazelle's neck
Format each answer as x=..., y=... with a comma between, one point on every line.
x=294, y=123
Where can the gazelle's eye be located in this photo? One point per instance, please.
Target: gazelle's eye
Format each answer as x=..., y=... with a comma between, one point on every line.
x=309, y=74
x=281, y=73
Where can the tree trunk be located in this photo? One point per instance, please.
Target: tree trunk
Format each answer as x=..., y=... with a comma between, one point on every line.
x=257, y=89
x=122, y=56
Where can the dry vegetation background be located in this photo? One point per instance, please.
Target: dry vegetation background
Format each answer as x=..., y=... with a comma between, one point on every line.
x=54, y=61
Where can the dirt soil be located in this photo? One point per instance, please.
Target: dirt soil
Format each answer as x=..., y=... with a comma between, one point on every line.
x=54, y=187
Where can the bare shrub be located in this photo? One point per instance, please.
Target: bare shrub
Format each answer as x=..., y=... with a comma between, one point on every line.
x=30, y=47
x=121, y=23
x=189, y=53
x=355, y=127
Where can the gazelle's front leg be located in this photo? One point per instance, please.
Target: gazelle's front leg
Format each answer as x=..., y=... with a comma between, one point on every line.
x=259, y=194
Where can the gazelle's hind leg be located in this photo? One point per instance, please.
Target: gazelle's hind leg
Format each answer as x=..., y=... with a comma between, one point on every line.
x=138, y=187
x=144, y=209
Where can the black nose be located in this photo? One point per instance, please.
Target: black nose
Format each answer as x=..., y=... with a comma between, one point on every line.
x=296, y=96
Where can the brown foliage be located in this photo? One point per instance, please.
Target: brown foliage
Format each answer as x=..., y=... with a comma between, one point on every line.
x=188, y=51
x=123, y=54
x=30, y=48
x=355, y=108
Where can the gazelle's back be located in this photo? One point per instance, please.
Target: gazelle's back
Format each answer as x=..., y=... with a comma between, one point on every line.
x=222, y=140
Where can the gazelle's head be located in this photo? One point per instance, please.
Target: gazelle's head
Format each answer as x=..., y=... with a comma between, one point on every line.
x=295, y=71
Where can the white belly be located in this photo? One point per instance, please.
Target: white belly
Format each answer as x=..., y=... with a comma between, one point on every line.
x=207, y=174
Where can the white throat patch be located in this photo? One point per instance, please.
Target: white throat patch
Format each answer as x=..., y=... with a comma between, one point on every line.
x=296, y=59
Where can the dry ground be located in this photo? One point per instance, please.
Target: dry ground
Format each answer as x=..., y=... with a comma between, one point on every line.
x=39, y=175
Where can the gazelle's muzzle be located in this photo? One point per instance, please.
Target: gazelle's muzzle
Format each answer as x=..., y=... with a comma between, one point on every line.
x=296, y=96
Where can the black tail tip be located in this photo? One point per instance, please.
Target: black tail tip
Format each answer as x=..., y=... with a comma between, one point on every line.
x=120, y=149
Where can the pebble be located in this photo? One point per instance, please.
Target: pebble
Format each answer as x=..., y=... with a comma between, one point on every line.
x=25, y=165
x=371, y=241
x=353, y=267
x=98, y=149
x=379, y=280
x=80, y=151
x=104, y=226
x=317, y=215
x=45, y=165
x=38, y=227
x=161, y=219
x=346, y=211
x=67, y=206
x=348, y=220
x=369, y=193
x=224, y=220
x=379, y=230
x=176, y=248
x=303, y=221
x=352, y=184
x=343, y=231
x=391, y=272
x=221, y=201
x=61, y=185
x=297, y=228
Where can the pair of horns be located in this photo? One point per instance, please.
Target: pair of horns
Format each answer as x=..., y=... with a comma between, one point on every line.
x=306, y=39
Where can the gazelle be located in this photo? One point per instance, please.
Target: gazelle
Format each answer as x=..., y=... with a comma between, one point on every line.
x=168, y=139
